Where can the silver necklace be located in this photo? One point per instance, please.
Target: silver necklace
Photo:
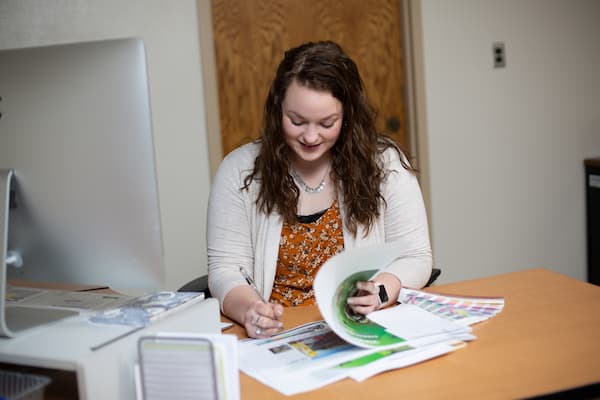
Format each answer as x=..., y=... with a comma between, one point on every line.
x=309, y=189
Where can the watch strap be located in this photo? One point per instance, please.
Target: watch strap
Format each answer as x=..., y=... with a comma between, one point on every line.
x=383, y=295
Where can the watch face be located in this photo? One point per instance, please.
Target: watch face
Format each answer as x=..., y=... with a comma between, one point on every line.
x=383, y=296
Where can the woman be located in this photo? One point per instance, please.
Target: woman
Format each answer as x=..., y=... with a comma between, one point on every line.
x=319, y=180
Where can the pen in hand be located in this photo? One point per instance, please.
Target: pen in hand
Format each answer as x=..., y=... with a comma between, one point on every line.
x=273, y=321
x=250, y=281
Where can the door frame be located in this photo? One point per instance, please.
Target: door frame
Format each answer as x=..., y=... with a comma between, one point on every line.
x=415, y=96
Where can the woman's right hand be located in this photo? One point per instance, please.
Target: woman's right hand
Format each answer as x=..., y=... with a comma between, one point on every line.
x=260, y=319
x=263, y=319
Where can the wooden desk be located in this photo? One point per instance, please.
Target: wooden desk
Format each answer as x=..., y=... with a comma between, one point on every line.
x=546, y=339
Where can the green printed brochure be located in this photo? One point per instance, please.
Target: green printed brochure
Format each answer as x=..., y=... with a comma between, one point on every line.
x=361, y=329
x=336, y=281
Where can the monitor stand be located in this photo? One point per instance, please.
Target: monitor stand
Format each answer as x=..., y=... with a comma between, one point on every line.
x=16, y=319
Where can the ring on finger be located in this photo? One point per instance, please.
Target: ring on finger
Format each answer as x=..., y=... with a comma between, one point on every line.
x=258, y=331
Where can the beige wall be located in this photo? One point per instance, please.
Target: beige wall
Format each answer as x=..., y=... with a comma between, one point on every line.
x=170, y=32
x=506, y=146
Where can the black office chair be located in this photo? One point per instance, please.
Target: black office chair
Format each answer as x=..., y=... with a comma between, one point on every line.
x=435, y=272
x=201, y=284
x=197, y=285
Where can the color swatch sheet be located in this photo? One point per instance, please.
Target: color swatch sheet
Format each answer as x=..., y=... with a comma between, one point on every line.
x=465, y=310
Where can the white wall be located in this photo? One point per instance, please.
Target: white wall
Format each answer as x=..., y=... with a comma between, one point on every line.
x=170, y=32
x=506, y=146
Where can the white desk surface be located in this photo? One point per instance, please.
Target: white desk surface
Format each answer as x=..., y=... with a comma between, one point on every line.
x=106, y=373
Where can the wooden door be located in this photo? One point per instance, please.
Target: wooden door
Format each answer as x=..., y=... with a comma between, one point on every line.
x=250, y=37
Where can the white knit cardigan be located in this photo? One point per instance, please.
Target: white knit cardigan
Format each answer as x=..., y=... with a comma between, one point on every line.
x=238, y=234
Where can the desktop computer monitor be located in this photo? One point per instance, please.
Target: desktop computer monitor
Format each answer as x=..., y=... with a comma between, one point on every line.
x=78, y=188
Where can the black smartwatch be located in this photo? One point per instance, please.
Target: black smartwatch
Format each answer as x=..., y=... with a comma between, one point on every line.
x=383, y=296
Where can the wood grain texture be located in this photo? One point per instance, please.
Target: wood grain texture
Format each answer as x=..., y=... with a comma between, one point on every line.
x=545, y=340
x=251, y=36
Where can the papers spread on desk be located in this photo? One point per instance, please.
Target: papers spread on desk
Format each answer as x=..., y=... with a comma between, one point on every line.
x=465, y=310
x=312, y=356
x=422, y=327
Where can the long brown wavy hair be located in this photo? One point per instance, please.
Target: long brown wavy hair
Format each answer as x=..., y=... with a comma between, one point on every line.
x=356, y=162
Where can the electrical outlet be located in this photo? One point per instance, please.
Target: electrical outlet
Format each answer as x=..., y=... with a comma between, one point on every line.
x=499, y=53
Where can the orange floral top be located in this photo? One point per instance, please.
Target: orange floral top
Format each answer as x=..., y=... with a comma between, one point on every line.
x=303, y=248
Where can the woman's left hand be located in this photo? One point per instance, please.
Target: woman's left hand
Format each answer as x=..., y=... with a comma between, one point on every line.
x=367, y=298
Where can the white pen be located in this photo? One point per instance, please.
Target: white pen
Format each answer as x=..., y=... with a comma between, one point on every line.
x=250, y=281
